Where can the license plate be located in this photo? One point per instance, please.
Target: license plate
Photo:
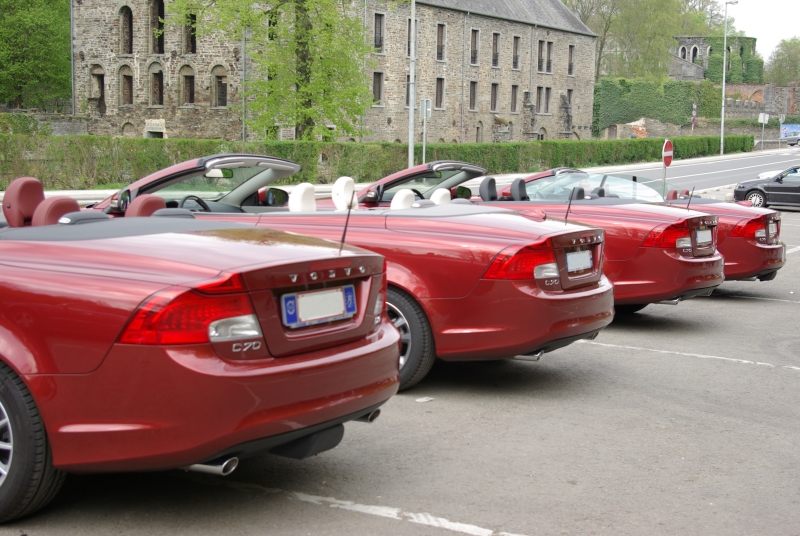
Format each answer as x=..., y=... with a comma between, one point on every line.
x=773, y=228
x=302, y=309
x=578, y=261
x=704, y=236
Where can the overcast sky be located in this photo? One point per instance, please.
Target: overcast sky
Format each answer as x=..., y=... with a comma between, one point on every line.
x=769, y=21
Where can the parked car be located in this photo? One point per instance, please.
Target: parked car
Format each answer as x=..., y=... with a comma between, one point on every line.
x=147, y=344
x=782, y=188
x=792, y=137
x=465, y=282
x=748, y=237
x=654, y=253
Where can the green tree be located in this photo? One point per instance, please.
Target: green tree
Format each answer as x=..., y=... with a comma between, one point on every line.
x=309, y=56
x=34, y=52
x=783, y=66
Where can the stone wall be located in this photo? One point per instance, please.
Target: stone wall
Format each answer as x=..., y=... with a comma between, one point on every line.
x=680, y=69
x=652, y=128
x=63, y=125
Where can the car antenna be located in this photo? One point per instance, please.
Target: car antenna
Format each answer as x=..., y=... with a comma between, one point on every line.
x=569, y=205
x=347, y=221
x=690, y=198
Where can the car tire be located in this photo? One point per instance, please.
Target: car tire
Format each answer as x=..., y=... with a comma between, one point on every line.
x=629, y=309
x=757, y=198
x=31, y=481
x=417, y=353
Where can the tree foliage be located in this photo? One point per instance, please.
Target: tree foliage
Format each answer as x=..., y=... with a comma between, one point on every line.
x=783, y=66
x=309, y=58
x=34, y=52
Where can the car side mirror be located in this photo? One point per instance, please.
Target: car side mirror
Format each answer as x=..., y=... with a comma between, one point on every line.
x=120, y=204
x=462, y=192
x=374, y=196
x=779, y=179
x=275, y=197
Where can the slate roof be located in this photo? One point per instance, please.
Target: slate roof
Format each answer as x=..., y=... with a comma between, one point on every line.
x=545, y=13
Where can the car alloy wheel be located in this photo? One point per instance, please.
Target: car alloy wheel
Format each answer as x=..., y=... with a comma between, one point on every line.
x=6, y=444
x=417, y=353
x=757, y=198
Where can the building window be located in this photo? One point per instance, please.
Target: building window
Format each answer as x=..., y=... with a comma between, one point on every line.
x=549, y=66
x=219, y=87
x=682, y=53
x=126, y=30
x=439, y=103
x=571, y=63
x=493, y=104
x=569, y=97
x=514, y=93
x=156, y=85
x=495, y=50
x=272, y=24
x=377, y=89
x=408, y=90
x=408, y=37
x=187, y=85
x=540, y=58
x=190, y=35
x=474, y=43
x=440, y=41
x=695, y=51
x=547, y=100
x=157, y=26
x=380, y=21
x=515, y=53
x=539, y=92
x=98, y=90
x=479, y=132
x=126, y=85
x=473, y=95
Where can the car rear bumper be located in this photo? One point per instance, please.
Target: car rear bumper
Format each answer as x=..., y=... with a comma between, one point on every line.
x=154, y=408
x=745, y=258
x=501, y=319
x=658, y=274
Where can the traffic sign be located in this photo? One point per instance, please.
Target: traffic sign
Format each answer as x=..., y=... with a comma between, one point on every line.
x=666, y=153
x=426, y=107
x=783, y=118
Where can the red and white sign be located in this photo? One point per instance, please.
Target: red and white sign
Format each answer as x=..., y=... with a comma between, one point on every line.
x=666, y=153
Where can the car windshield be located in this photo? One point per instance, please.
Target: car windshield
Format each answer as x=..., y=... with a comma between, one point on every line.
x=211, y=185
x=615, y=187
x=534, y=186
x=425, y=184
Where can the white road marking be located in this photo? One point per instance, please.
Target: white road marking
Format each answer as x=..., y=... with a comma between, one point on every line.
x=732, y=170
x=760, y=298
x=686, y=354
x=793, y=250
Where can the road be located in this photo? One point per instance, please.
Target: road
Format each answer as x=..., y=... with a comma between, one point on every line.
x=703, y=173
x=678, y=420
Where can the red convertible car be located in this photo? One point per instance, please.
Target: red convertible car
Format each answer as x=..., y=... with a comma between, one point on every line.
x=653, y=253
x=465, y=282
x=147, y=344
x=748, y=237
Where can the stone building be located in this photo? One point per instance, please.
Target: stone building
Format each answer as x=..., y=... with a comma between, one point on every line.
x=696, y=58
x=496, y=71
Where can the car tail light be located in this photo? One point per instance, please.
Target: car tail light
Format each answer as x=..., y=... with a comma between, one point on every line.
x=674, y=235
x=179, y=315
x=380, y=303
x=757, y=228
x=535, y=261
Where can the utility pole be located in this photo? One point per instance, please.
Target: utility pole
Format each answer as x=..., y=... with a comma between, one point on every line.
x=72, y=51
x=724, y=75
x=412, y=84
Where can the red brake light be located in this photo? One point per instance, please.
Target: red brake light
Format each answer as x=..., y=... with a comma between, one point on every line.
x=224, y=284
x=666, y=235
x=182, y=316
x=519, y=263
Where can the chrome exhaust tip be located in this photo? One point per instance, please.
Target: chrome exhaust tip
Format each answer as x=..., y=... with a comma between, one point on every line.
x=530, y=357
x=221, y=468
x=676, y=301
x=369, y=417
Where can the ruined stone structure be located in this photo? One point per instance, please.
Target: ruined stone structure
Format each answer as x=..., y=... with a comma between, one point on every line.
x=496, y=71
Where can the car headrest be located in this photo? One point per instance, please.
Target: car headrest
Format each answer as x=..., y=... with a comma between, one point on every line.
x=685, y=193
x=488, y=189
x=518, y=191
x=302, y=198
x=173, y=213
x=578, y=193
x=51, y=210
x=144, y=205
x=441, y=196
x=22, y=197
x=402, y=199
x=342, y=194
x=599, y=191
x=672, y=194
x=80, y=217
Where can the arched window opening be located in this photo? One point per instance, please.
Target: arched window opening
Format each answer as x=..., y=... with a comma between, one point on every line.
x=479, y=132
x=156, y=85
x=157, y=26
x=695, y=52
x=682, y=53
x=98, y=88
x=219, y=87
x=190, y=35
x=187, y=85
x=126, y=30
x=510, y=131
x=542, y=134
x=125, y=85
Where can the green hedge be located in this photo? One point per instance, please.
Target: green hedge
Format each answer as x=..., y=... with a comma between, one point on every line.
x=77, y=162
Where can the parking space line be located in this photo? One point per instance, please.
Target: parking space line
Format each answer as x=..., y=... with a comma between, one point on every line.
x=793, y=250
x=685, y=354
x=760, y=298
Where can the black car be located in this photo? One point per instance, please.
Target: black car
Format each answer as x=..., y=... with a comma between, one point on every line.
x=781, y=189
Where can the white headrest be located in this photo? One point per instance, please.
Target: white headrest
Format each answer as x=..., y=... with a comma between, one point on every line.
x=402, y=199
x=441, y=196
x=302, y=198
x=342, y=194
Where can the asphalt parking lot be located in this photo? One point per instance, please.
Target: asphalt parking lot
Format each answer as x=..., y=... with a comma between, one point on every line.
x=679, y=419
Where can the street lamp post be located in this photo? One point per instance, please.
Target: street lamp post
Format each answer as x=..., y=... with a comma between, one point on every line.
x=724, y=69
x=412, y=86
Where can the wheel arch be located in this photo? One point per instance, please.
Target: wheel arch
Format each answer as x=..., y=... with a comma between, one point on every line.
x=15, y=354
